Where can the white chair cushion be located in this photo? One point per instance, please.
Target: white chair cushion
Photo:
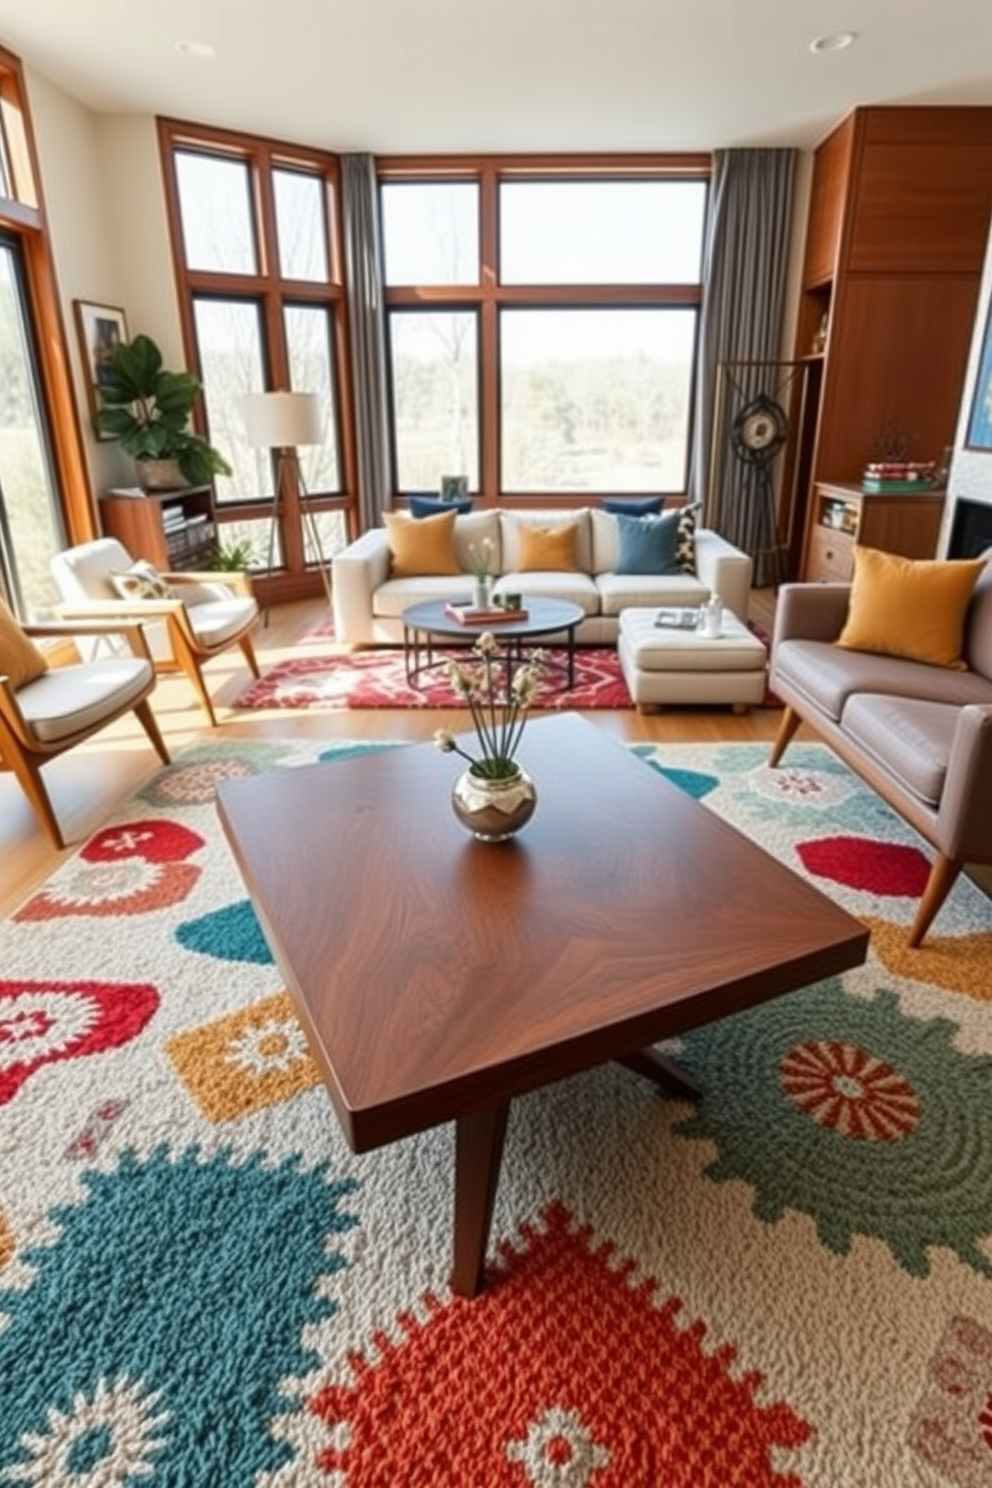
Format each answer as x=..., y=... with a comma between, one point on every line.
x=85, y=572
x=69, y=699
x=221, y=620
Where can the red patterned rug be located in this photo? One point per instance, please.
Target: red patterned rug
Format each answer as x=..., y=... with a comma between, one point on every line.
x=377, y=679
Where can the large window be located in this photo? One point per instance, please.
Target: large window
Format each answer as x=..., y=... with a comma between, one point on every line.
x=43, y=489
x=542, y=323
x=255, y=238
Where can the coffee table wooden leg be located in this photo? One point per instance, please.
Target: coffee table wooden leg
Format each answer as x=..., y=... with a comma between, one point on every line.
x=478, y=1152
x=658, y=1068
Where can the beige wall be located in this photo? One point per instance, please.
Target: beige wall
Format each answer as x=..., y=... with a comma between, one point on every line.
x=102, y=187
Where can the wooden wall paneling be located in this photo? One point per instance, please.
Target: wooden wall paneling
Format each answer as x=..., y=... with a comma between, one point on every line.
x=905, y=346
x=831, y=172
x=924, y=210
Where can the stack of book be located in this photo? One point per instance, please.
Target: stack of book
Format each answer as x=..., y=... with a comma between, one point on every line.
x=898, y=475
x=467, y=614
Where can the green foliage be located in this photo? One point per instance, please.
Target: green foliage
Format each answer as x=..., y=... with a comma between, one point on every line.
x=233, y=556
x=147, y=410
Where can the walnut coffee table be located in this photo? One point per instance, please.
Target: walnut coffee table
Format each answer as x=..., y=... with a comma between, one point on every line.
x=438, y=977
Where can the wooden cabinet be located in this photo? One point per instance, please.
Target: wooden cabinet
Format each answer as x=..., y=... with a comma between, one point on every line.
x=842, y=515
x=898, y=224
x=172, y=529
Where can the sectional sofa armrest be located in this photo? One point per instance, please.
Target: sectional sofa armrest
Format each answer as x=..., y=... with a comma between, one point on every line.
x=724, y=569
x=356, y=573
x=966, y=800
x=810, y=612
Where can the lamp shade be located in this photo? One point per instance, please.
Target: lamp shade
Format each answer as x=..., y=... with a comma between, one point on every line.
x=283, y=420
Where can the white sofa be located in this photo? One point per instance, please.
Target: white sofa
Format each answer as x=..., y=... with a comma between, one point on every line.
x=368, y=603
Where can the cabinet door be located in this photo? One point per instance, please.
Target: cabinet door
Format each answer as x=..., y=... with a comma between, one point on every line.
x=830, y=557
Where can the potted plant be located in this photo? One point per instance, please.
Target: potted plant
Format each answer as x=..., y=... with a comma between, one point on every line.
x=233, y=556
x=147, y=410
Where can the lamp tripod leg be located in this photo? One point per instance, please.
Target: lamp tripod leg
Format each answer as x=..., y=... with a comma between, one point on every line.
x=310, y=522
x=273, y=524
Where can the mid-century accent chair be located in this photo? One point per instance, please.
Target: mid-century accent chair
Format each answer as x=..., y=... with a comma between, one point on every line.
x=195, y=615
x=46, y=710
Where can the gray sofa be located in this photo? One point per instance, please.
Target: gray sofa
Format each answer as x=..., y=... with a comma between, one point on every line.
x=920, y=735
x=368, y=603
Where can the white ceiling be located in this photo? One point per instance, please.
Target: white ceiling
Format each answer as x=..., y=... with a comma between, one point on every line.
x=479, y=76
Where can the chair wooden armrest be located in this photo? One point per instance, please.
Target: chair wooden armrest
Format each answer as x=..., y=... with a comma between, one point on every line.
x=134, y=609
x=235, y=579
x=132, y=632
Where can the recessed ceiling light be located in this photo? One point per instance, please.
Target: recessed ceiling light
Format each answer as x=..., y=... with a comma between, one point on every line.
x=195, y=49
x=837, y=41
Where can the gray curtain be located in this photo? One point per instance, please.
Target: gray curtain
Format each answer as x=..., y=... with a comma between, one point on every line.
x=364, y=281
x=745, y=260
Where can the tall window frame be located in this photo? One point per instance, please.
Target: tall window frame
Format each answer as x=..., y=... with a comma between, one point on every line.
x=23, y=219
x=276, y=300
x=488, y=298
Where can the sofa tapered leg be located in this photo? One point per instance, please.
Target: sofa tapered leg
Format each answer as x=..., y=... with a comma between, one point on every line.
x=786, y=732
x=939, y=885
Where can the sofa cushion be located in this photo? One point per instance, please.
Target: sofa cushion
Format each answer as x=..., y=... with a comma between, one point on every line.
x=547, y=549
x=421, y=545
x=648, y=544
x=511, y=522
x=474, y=532
x=429, y=506
x=978, y=622
x=826, y=675
x=618, y=592
x=633, y=506
x=910, y=739
x=914, y=608
x=21, y=660
x=575, y=588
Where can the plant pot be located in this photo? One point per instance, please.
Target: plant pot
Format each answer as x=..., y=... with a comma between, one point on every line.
x=494, y=810
x=160, y=475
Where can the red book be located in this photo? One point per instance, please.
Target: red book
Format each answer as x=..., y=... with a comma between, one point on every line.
x=468, y=614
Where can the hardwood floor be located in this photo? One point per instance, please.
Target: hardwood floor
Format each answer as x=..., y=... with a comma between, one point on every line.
x=88, y=783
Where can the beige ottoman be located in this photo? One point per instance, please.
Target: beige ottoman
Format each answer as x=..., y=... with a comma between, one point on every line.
x=680, y=666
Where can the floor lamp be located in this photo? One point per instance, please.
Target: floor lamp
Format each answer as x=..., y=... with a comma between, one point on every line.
x=284, y=421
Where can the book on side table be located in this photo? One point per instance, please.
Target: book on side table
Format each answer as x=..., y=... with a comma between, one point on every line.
x=468, y=614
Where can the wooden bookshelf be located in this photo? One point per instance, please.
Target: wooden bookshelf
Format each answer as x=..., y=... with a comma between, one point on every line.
x=175, y=530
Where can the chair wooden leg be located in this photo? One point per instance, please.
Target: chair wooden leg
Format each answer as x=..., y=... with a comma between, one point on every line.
x=939, y=884
x=149, y=723
x=248, y=651
x=786, y=732
x=28, y=774
x=192, y=669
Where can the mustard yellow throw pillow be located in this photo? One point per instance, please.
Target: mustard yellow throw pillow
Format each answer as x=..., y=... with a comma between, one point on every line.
x=909, y=607
x=421, y=545
x=551, y=549
x=20, y=659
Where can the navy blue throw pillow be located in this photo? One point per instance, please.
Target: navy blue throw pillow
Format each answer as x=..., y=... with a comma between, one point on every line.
x=429, y=506
x=648, y=545
x=633, y=506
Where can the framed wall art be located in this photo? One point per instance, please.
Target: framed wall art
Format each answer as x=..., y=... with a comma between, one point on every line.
x=101, y=328
x=979, y=434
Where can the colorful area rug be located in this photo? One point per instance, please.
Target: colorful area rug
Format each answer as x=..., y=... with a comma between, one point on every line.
x=377, y=679
x=788, y=1285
